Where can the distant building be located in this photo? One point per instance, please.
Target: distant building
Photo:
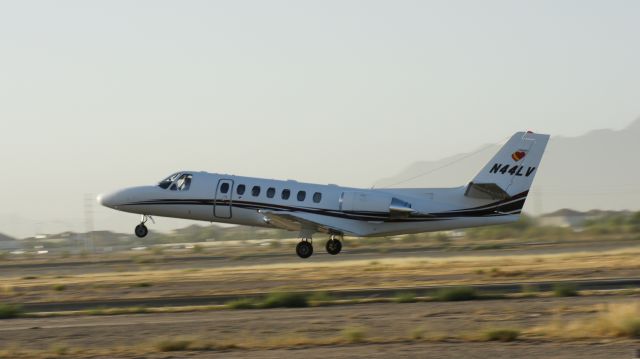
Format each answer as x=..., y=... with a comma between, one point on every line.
x=569, y=218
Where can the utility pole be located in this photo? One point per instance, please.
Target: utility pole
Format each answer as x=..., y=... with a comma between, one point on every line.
x=88, y=223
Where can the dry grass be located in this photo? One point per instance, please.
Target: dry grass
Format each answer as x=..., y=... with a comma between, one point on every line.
x=354, y=334
x=613, y=321
x=501, y=334
x=391, y=272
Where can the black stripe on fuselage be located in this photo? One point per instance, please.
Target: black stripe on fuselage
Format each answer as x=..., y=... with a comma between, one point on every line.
x=512, y=205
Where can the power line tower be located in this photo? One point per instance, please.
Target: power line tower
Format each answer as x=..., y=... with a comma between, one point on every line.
x=88, y=223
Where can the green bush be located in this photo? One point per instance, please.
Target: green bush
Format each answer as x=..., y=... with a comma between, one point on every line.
x=632, y=328
x=244, y=303
x=456, y=294
x=8, y=311
x=405, y=298
x=417, y=333
x=354, y=334
x=285, y=300
x=59, y=287
x=198, y=249
x=502, y=335
x=565, y=290
x=172, y=345
x=320, y=297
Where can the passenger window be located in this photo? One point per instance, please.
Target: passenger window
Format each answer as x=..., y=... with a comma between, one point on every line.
x=240, y=189
x=301, y=195
x=224, y=188
x=271, y=192
x=255, y=191
x=317, y=197
x=285, y=194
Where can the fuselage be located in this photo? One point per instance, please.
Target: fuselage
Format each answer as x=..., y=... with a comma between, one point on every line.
x=342, y=210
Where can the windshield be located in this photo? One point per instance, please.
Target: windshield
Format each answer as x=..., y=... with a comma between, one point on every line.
x=176, y=182
x=165, y=183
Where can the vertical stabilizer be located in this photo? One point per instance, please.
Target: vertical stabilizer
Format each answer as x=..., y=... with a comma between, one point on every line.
x=511, y=171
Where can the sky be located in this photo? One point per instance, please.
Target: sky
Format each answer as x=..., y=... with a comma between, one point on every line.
x=98, y=95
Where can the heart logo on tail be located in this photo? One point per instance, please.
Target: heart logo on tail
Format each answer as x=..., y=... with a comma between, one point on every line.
x=518, y=155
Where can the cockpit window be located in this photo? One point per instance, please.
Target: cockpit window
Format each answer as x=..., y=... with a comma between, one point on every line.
x=184, y=182
x=165, y=183
x=177, y=182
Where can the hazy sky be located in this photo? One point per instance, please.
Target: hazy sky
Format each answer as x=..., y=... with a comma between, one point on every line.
x=96, y=95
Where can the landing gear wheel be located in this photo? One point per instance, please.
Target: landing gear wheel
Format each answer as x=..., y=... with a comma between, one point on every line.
x=304, y=249
x=141, y=230
x=333, y=246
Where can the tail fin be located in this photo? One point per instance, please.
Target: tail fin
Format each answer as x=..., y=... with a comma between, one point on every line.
x=511, y=171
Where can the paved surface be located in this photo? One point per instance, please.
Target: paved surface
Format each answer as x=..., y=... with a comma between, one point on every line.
x=215, y=261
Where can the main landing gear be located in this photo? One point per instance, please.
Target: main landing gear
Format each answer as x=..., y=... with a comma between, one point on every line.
x=333, y=246
x=141, y=230
x=304, y=249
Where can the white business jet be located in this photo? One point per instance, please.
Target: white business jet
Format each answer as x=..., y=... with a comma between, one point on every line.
x=495, y=196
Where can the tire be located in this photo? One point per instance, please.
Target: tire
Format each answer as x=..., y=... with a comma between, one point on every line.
x=304, y=249
x=333, y=246
x=141, y=231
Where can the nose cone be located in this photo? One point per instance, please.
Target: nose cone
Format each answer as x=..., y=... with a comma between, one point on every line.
x=107, y=200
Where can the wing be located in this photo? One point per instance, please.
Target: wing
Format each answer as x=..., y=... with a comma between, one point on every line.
x=293, y=221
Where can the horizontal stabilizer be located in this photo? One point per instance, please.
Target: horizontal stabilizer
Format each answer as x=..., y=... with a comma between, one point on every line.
x=486, y=191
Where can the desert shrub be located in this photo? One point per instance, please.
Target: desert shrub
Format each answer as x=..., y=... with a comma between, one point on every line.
x=405, y=297
x=620, y=320
x=141, y=285
x=198, y=249
x=117, y=311
x=59, y=287
x=243, y=303
x=456, y=294
x=172, y=344
x=8, y=311
x=320, y=297
x=565, y=290
x=502, y=335
x=417, y=333
x=616, y=320
x=285, y=300
x=354, y=334
x=59, y=349
x=529, y=288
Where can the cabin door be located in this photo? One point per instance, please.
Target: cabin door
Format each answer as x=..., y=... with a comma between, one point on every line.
x=222, y=200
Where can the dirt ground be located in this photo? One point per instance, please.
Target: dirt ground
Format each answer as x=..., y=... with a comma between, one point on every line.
x=161, y=280
x=389, y=330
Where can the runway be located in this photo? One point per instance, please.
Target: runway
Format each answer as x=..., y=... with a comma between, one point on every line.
x=64, y=267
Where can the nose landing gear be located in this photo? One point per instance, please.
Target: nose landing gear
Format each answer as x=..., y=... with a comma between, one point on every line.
x=141, y=230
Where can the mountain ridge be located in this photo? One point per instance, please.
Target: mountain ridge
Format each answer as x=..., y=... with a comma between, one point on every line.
x=594, y=170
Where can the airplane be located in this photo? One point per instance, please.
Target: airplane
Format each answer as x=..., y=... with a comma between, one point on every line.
x=495, y=195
